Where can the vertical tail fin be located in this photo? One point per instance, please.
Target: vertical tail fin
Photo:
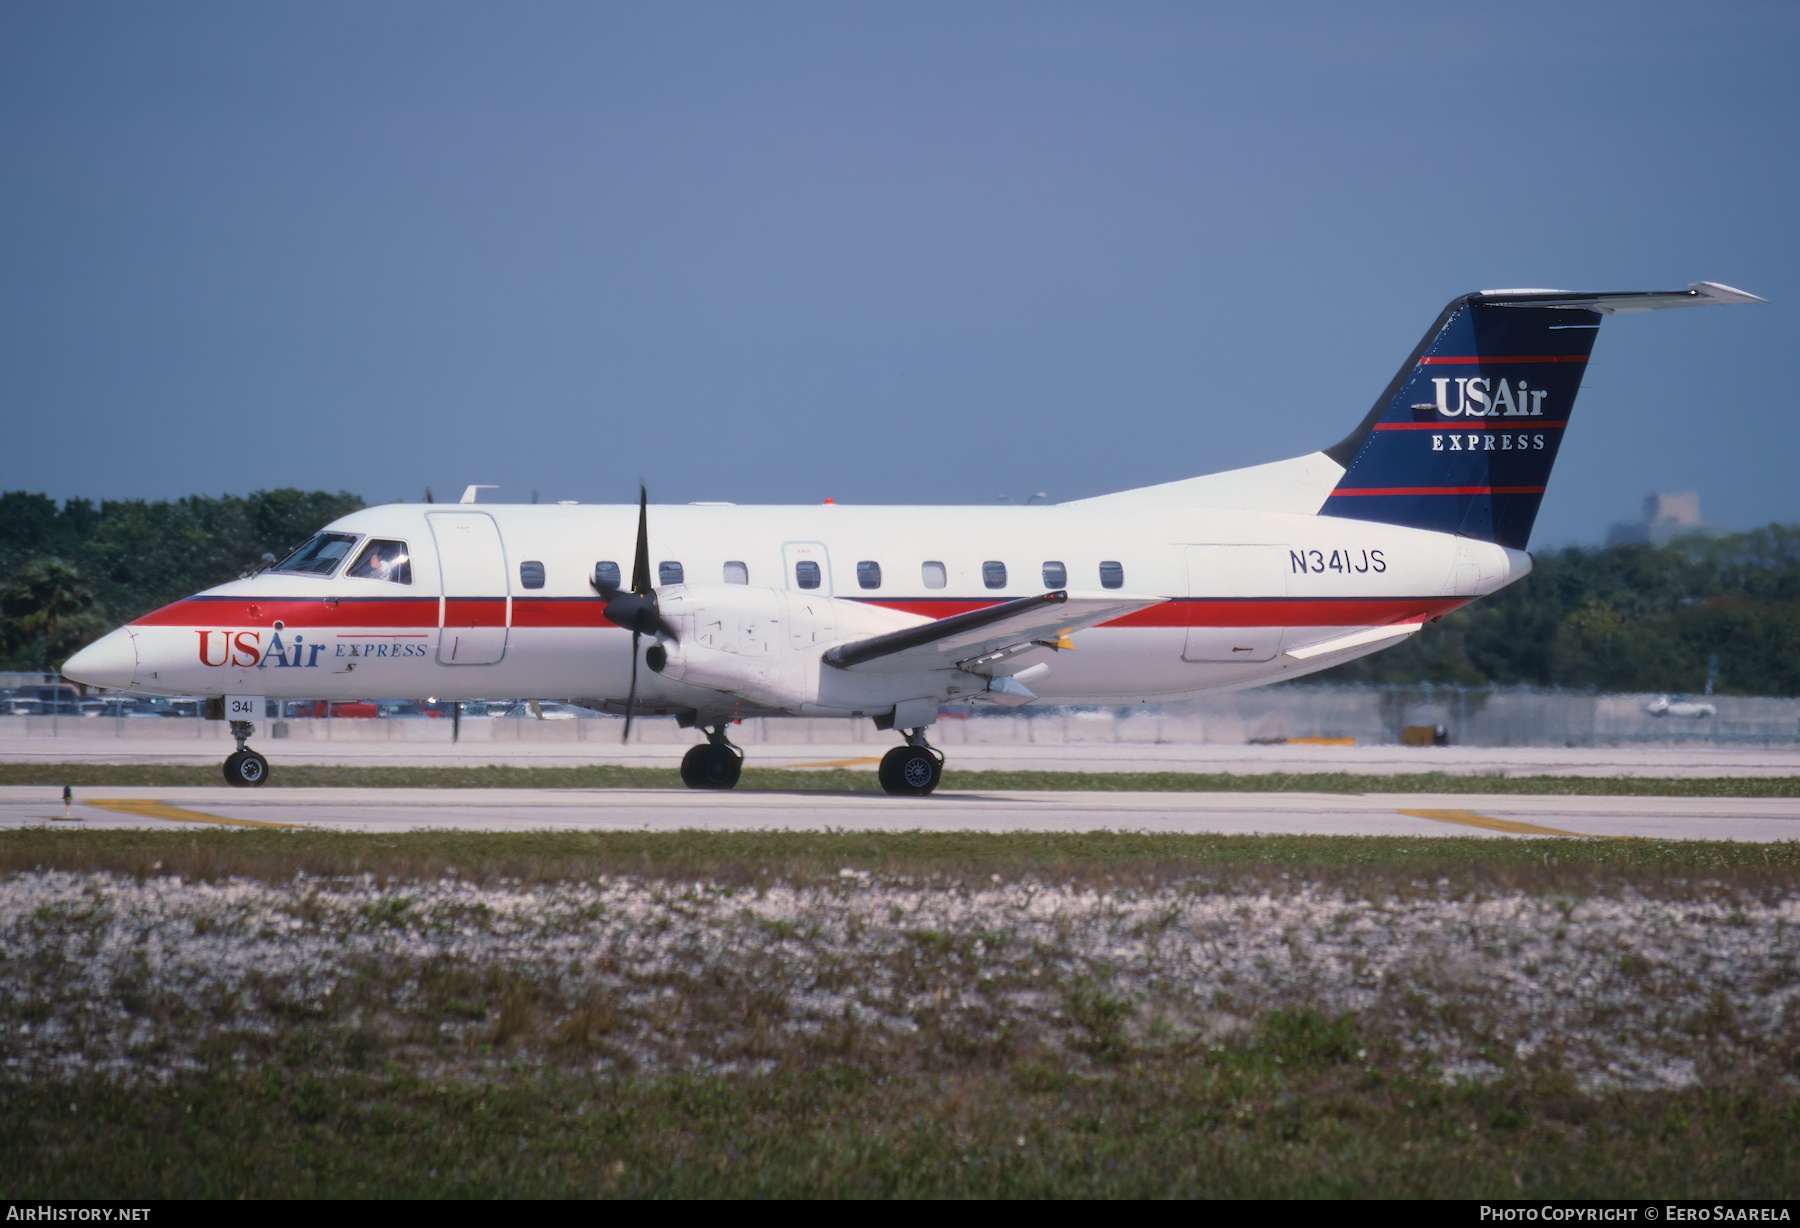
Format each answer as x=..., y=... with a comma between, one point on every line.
x=1463, y=439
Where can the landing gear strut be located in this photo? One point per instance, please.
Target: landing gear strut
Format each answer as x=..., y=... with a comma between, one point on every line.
x=913, y=770
x=715, y=764
x=244, y=767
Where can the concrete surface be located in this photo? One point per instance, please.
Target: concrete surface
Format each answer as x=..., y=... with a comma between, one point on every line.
x=1423, y=815
x=1688, y=760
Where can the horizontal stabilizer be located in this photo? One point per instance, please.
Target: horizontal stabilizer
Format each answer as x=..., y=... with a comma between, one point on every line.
x=1698, y=294
x=1046, y=618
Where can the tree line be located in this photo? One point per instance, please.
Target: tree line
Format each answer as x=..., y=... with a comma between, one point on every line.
x=70, y=573
x=1619, y=618
x=1623, y=618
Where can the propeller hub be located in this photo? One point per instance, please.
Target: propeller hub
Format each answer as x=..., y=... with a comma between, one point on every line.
x=634, y=613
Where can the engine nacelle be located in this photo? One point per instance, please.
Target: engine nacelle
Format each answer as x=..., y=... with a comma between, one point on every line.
x=763, y=645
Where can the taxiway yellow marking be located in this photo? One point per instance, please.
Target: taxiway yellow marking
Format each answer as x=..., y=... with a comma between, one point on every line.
x=1468, y=818
x=837, y=763
x=150, y=808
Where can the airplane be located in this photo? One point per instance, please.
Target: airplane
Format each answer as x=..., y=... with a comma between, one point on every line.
x=712, y=613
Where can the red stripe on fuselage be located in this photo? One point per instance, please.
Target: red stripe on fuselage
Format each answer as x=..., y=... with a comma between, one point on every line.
x=421, y=613
x=406, y=612
x=308, y=612
x=475, y=611
x=542, y=612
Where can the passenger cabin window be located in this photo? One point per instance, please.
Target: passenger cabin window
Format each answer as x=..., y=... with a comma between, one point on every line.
x=806, y=574
x=1112, y=575
x=668, y=573
x=737, y=573
x=932, y=574
x=531, y=575
x=868, y=575
x=993, y=574
x=320, y=555
x=1056, y=575
x=606, y=575
x=382, y=560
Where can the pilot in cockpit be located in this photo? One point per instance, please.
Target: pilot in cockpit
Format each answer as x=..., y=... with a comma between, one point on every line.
x=383, y=560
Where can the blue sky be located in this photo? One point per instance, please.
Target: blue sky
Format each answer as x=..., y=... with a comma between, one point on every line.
x=886, y=253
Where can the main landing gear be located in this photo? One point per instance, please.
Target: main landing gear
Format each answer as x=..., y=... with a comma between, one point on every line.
x=244, y=767
x=714, y=764
x=913, y=770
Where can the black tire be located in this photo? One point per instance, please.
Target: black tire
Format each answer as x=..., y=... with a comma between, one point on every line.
x=710, y=767
x=246, y=769
x=910, y=771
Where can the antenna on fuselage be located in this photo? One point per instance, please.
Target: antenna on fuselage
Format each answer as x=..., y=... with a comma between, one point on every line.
x=469, y=494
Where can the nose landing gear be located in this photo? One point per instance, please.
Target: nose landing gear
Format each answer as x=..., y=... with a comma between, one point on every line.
x=245, y=768
x=715, y=764
x=913, y=770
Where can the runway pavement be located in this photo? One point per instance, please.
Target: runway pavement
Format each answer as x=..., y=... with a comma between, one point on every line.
x=1681, y=760
x=1401, y=814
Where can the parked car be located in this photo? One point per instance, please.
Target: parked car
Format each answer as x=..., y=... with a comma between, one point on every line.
x=546, y=710
x=49, y=693
x=116, y=706
x=319, y=709
x=56, y=707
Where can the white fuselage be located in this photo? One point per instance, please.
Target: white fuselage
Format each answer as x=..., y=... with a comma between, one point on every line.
x=1245, y=591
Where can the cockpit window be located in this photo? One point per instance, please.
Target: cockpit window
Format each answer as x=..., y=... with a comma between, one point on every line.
x=382, y=560
x=320, y=556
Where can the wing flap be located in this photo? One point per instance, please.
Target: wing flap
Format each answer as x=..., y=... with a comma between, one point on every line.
x=1044, y=620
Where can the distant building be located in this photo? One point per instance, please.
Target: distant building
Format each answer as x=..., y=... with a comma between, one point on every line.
x=1666, y=517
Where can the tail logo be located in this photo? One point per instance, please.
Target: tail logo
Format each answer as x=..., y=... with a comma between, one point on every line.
x=1477, y=398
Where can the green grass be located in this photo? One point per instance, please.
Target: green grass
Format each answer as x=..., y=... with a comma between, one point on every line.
x=359, y=1095
x=603, y=777
x=1290, y=1110
x=1655, y=866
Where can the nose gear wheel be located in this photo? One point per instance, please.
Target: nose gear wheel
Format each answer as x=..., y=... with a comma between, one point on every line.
x=714, y=764
x=244, y=768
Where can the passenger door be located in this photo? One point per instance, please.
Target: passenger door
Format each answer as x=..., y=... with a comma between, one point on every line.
x=1240, y=608
x=808, y=569
x=794, y=557
x=476, y=610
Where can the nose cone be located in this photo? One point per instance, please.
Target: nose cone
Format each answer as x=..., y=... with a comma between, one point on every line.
x=110, y=661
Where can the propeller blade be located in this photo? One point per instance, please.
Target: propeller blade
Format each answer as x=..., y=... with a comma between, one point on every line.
x=637, y=610
x=631, y=697
x=640, y=563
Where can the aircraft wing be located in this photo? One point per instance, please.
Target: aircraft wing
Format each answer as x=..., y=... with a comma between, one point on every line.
x=1044, y=621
